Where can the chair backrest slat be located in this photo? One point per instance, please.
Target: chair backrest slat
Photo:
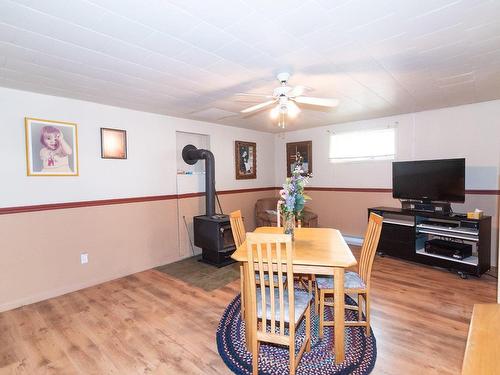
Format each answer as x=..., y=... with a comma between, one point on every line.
x=280, y=286
x=237, y=227
x=267, y=263
x=269, y=257
x=262, y=283
x=290, y=287
x=369, y=247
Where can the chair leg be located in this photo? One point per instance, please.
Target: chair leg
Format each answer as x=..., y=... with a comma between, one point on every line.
x=367, y=314
x=316, y=299
x=308, y=328
x=292, y=353
x=255, y=357
x=360, y=307
x=242, y=287
x=310, y=285
x=321, y=312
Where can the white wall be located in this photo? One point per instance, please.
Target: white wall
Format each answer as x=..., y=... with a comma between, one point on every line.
x=470, y=131
x=151, y=165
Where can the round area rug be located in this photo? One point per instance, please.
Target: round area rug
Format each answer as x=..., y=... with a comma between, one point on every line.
x=360, y=351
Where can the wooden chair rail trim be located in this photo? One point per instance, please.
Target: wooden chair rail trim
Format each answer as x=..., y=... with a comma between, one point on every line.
x=107, y=202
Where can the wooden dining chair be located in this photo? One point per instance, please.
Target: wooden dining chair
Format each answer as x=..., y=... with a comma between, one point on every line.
x=271, y=255
x=237, y=227
x=354, y=282
x=239, y=235
x=238, y=230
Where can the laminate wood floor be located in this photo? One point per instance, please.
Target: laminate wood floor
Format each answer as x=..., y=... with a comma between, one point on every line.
x=153, y=323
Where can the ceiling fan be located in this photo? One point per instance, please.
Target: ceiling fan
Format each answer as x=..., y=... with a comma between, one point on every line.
x=286, y=99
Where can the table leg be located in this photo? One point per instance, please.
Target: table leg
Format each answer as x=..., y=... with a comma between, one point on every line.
x=247, y=309
x=310, y=285
x=338, y=275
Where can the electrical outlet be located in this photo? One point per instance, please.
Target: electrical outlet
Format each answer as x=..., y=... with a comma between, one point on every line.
x=84, y=258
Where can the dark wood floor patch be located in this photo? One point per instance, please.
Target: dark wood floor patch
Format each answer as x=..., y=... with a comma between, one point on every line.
x=201, y=275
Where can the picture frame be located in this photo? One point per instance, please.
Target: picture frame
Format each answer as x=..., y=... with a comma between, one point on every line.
x=51, y=147
x=245, y=160
x=113, y=143
x=304, y=148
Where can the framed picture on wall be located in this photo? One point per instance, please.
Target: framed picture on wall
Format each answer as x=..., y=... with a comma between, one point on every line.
x=303, y=148
x=51, y=147
x=245, y=160
x=113, y=143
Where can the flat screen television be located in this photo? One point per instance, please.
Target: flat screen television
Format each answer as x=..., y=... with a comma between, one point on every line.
x=440, y=180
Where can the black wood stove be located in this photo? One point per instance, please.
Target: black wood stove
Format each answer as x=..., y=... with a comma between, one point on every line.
x=212, y=232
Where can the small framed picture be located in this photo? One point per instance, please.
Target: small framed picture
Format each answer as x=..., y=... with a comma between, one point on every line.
x=113, y=143
x=303, y=148
x=51, y=147
x=245, y=160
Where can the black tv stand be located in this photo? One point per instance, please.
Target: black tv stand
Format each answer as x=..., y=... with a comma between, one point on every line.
x=405, y=232
x=427, y=206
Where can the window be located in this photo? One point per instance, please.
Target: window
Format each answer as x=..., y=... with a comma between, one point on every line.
x=376, y=144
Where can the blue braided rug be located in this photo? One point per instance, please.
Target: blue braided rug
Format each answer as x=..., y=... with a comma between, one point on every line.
x=360, y=351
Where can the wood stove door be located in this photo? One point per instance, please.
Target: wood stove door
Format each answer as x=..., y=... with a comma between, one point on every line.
x=226, y=236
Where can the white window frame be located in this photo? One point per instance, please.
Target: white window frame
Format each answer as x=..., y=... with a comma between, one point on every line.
x=360, y=158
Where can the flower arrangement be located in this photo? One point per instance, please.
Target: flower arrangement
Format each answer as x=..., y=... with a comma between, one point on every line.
x=292, y=195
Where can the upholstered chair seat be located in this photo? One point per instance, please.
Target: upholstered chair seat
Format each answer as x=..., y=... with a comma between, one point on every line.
x=351, y=281
x=302, y=300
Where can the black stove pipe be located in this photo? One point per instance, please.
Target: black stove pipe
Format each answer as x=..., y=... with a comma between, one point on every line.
x=191, y=155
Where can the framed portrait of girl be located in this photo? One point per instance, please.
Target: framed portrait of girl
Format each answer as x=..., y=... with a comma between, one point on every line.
x=51, y=147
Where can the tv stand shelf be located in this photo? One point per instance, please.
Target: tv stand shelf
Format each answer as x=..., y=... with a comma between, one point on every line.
x=405, y=232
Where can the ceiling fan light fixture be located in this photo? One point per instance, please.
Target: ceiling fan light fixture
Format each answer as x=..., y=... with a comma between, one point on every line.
x=284, y=101
x=275, y=112
x=281, y=122
x=292, y=109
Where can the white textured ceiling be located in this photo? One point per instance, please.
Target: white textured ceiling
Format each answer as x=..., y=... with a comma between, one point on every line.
x=188, y=58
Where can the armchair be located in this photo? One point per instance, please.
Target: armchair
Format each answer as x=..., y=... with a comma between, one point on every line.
x=265, y=214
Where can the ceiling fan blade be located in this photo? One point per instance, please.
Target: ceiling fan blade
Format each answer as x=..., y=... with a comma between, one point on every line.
x=298, y=91
x=258, y=106
x=321, y=102
x=254, y=95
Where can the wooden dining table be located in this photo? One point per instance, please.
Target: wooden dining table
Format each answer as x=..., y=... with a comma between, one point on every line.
x=317, y=251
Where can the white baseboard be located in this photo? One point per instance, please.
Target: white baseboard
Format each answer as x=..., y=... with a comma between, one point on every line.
x=34, y=298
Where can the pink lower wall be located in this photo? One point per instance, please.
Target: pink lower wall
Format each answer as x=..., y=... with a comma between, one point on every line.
x=41, y=250
x=346, y=210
